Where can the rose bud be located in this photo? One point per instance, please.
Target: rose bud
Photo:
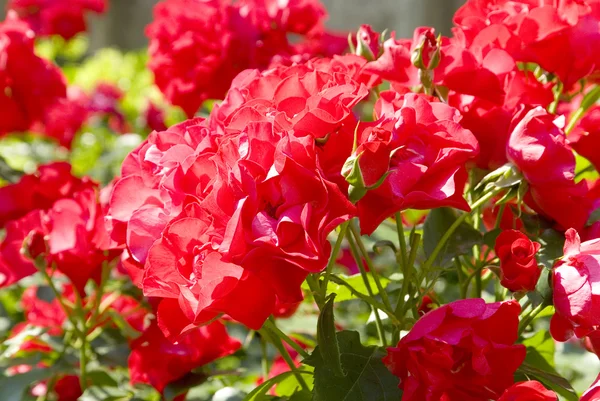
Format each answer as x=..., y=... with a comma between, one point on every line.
x=518, y=266
x=367, y=43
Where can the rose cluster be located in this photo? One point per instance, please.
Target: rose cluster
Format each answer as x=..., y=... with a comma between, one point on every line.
x=65, y=18
x=197, y=47
x=479, y=151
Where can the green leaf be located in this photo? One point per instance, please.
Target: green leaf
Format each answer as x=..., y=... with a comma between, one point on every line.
x=356, y=281
x=489, y=238
x=540, y=350
x=102, y=379
x=461, y=242
x=594, y=217
x=182, y=385
x=366, y=379
x=7, y=173
x=12, y=388
x=126, y=329
x=98, y=393
x=550, y=379
x=327, y=339
x=552, y=247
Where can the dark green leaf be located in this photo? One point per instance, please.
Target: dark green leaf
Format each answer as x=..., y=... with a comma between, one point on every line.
x=489, y=238
x=45, y=293
x=550, y=379
x=7, y=173
x=97, y=393
x=101, y=378
x=594, y=217
x=540, y=350
x=552, y=247
x=367, y=378
x=183, y=385
x=12, y=388
x=461, y=242
x=327, y=339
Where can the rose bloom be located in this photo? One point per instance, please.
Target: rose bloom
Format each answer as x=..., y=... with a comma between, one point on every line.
x=57, y=217
x=462, y=351
x=528, y=391
x=29, y=85
x=65, y=18
x=421, y=150
x=156, y=361
x=576, y=293
x=533, y=31
x=519, y=268
x=537, y=146
x=239, y=206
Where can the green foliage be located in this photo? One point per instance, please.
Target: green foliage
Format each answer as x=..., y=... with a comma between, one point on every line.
x=539, y=365
x=460, y=243
x=366, y=378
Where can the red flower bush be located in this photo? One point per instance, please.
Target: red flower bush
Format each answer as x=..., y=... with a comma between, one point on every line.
x=419, y=150
x=528, y=391
x=225, y=194
x=60, y=220
x=198, y=47
x=156, y=361
x=65, y=18
x=249, y=213
x=461, y=351
x=519, y=268
x=30, y=85
x=575, y=289
x=536, y=32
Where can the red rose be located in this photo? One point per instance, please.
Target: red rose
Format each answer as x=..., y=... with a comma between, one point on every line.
x=156, y=361
x=576, y=291
x=472, y=71
x=29, y=85
x=61, y=208
x=189, y=50
x=520, y=271
x=197, y=48
x=239, y=206
x=68, y=388
x=395, y=63
x=462, y=351
x=422, y=149
x=528, y=391
x=538, y=31
x=63, y=17
x=537, y=146
x=491, y=124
